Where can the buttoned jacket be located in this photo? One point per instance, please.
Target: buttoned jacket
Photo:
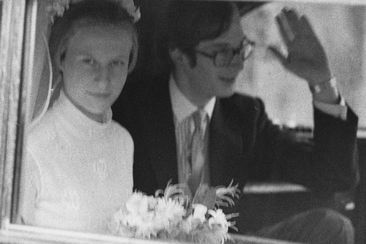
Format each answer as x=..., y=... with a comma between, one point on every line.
x=244, y=145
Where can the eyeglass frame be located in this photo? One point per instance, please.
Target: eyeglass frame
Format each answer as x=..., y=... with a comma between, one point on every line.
x=235, y=51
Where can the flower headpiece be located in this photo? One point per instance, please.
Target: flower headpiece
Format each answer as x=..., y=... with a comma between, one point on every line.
x=131, y=9
x=58, y=7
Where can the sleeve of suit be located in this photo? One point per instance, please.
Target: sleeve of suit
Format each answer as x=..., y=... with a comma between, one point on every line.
x=326, y=163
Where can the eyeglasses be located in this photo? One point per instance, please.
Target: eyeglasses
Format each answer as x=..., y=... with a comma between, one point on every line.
x=225, y=57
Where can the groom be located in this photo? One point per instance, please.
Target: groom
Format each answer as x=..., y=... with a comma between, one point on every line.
x=189, y=124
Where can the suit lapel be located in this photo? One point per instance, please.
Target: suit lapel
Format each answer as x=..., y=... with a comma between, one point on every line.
x=226, y=145
x=228, y=138
x=162, y=134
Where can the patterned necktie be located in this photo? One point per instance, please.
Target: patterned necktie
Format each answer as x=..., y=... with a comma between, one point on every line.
x=197, y=159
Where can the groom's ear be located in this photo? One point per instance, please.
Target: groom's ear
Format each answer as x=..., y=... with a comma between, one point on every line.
x=178, y=57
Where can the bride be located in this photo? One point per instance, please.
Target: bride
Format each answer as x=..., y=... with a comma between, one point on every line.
x=78, y=169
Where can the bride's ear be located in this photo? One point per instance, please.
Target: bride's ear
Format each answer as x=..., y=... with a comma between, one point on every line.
x=61, y=59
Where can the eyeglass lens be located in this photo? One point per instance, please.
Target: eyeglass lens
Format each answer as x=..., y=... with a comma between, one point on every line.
x=225, y=57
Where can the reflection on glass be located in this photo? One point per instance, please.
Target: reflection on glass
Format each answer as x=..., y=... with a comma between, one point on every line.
x=72, y=182
x=286, y=97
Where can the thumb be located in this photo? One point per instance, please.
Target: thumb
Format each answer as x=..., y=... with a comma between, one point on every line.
x=278, y=54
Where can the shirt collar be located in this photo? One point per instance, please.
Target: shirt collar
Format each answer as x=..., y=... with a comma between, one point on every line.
x=182, y=107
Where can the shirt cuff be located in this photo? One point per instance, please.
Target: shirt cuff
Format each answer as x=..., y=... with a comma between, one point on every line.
x=337, y=110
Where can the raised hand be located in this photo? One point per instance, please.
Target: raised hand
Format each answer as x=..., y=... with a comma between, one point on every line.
x=306, y=56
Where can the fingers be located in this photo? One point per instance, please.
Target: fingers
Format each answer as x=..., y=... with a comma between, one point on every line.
x=278, y=54
x=285, y=29
x=292, y=25
x=288, y=22
x=293, y=18
x=306, y=26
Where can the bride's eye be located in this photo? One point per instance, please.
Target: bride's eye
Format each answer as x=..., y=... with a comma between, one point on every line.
x=118, y=62
x=88, y=61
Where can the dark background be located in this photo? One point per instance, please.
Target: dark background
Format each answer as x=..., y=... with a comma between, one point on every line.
x=260, y=209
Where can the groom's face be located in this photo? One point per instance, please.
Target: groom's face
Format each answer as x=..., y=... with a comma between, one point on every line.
x=209, y=80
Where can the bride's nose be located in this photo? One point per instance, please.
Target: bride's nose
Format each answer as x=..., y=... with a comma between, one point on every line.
x=103, y=76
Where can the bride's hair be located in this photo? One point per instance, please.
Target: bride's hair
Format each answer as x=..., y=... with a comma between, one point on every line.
x=88, y=13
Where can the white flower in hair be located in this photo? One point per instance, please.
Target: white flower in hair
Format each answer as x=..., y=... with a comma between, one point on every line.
x=56, y=8
x=131, y=9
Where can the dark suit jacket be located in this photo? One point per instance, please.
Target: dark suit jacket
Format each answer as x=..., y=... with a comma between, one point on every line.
x=244, y=144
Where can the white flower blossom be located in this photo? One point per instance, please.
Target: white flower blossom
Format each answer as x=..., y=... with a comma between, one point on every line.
x=199, y=212
x=166, y=217
x=218, y=218
x=169, y=211
x=140, y=203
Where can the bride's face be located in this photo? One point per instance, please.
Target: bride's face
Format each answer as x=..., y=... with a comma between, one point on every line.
x=95, y=67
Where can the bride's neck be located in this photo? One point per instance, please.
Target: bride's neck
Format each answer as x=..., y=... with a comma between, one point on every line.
x=101, y=117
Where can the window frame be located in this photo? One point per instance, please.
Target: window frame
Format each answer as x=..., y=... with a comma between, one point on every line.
x=11, y=56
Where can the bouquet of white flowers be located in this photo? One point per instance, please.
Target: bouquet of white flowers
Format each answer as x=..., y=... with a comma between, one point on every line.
x=173, y=214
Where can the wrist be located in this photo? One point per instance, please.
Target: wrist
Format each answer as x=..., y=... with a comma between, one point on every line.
x=325, y=91
x=324, y=85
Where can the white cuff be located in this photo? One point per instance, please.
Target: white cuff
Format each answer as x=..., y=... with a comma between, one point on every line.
x=336, y=110
x=323, y=85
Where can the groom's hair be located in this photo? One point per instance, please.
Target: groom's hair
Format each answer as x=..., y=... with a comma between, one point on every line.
x=190, y=22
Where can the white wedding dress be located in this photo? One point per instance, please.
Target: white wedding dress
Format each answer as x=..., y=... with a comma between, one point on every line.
x=77, y=172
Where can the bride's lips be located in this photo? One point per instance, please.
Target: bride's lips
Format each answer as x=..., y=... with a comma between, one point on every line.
x=99, y=94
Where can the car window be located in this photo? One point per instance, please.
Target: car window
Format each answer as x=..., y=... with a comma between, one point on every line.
x=341, y=29
x=287, y=98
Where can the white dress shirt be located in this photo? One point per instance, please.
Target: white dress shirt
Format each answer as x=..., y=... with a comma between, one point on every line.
x=184, y=127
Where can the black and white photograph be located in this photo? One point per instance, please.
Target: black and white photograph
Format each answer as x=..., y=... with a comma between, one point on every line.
x=183, y=121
